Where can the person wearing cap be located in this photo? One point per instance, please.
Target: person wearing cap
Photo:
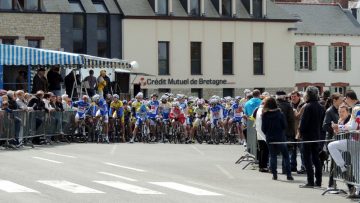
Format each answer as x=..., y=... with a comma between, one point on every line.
x=101, y=83
x=39, y=81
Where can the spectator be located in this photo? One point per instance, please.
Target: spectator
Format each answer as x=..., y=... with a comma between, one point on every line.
x=12, y=100
x=55, y=81
x=21, y=102
x=288, y=112
x=21, y=81
x=40, y=83
x=310, y=129
x=28, y=97
x=297, y=104
x=70, y=87
x=340, y=146
x=354, y=123
x=107, y=88
x=37, y=102
x=332, y=116
x=59, y=105
x=273, y=126
x=2, y=93
x=66, y=102
x=101, y=83
x=91, y=83
x=263, y=148
x=253, y=103
x=46, y=100
x=325, y=100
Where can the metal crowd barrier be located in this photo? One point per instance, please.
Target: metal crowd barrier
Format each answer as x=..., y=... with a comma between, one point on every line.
x=30, y=124
x=351, y=157
x=251, y=141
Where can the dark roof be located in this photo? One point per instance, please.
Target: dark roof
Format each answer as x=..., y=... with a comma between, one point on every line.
x=322, y=19
x=142, y=8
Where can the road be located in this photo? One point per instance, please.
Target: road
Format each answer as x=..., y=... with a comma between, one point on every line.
x=143, y=173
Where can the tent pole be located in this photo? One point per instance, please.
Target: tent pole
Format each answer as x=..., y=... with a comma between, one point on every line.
x=1, y=76
x=29, y=79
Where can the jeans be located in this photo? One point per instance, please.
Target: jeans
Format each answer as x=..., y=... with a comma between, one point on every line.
x=311, y=157
x=273, y=149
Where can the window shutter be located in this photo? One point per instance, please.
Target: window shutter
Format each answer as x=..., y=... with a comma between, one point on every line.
x=348, y=58
x=297, y=57
x=331, y=58
x=313, y=58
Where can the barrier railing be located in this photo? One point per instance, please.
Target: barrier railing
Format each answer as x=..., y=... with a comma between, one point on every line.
x=23, y=125
x=251, y=140
x=348, y=145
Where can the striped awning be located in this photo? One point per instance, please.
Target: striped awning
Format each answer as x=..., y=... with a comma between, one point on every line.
x=99, y=62
x=18, y=55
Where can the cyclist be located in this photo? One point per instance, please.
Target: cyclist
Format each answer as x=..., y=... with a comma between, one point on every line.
x=216, y=114
x=153, y=115
x=177, y=115
x=238, y=113
x=200, y=115
x=164, y=111
x=83, y=106
x=103, y=114
x=117, y=112
x=190, y=114
x=140, y=111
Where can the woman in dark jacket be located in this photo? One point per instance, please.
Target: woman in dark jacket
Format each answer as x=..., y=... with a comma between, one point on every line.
x=273, y=126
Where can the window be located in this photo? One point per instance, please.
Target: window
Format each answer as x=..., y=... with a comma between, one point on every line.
x=163, y=91
x=76, y=7
x=228, y=58
x=197, y=92
x=195, y=58
x=34, y=43
x=228, y=92
x=100, y=7
x=32, y=5
x=102, y=35
x=227, y=7
x=162, y=7
x=78, y=33
x=258, y=58
x=304, y=58
x=194, y=7
x=340, y=90
x=163, y=58
x=8, y=41
x=339, y=58
x=6, y=4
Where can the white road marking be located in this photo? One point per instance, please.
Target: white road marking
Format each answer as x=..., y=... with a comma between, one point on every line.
x=11, y=187
x=113, y=149
x=225, y=172
x=129, y=188
x=196, y=149
x=63, y=155
x=117, y=176
x=69, y=186
x=186, y=188
x=49, y=160
x=125, y=167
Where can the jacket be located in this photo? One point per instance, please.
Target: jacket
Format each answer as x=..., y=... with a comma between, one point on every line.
x=273, y=126
x=331, y=115
x=39, y=84
x=288, y=112
x=311, y=121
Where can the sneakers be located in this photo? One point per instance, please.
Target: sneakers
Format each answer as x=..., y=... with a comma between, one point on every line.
x=301, y=171
x=131, y=141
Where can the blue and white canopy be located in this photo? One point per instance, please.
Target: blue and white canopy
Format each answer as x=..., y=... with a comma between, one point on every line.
x=18, y=55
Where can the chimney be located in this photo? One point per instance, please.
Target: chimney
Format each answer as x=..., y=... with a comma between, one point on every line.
x=343, y=3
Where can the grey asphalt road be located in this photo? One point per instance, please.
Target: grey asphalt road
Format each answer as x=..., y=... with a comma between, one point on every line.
x=143, y=173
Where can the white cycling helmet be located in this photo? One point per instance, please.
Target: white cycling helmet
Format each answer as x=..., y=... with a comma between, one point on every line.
x=95, y=98
x=116, y=96
x=139, y=95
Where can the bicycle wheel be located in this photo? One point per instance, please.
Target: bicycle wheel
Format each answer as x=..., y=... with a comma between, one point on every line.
x=199, y=134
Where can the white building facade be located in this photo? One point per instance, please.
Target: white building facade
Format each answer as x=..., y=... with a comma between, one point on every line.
x=196, y=49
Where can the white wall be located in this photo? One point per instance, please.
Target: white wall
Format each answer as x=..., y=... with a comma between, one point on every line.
x=322, y=74
x=141, y=38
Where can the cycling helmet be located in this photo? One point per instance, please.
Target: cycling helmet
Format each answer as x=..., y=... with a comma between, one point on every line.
x=213, y=101
x=124, y=101
x=154, y=95
x=85, y=97
x=139, y=95
x=116, y=96
x=164, y=98
x=175, y=104
x=95, y=98
x=237, y=98
x=200, y=102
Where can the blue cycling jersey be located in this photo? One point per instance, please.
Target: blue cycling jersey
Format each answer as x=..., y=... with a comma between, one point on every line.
x=154, y=107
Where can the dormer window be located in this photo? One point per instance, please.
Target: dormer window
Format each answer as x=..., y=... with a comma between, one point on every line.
x=21, y=5
x=194, y=7
x=162, y=7
x=226, y=8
